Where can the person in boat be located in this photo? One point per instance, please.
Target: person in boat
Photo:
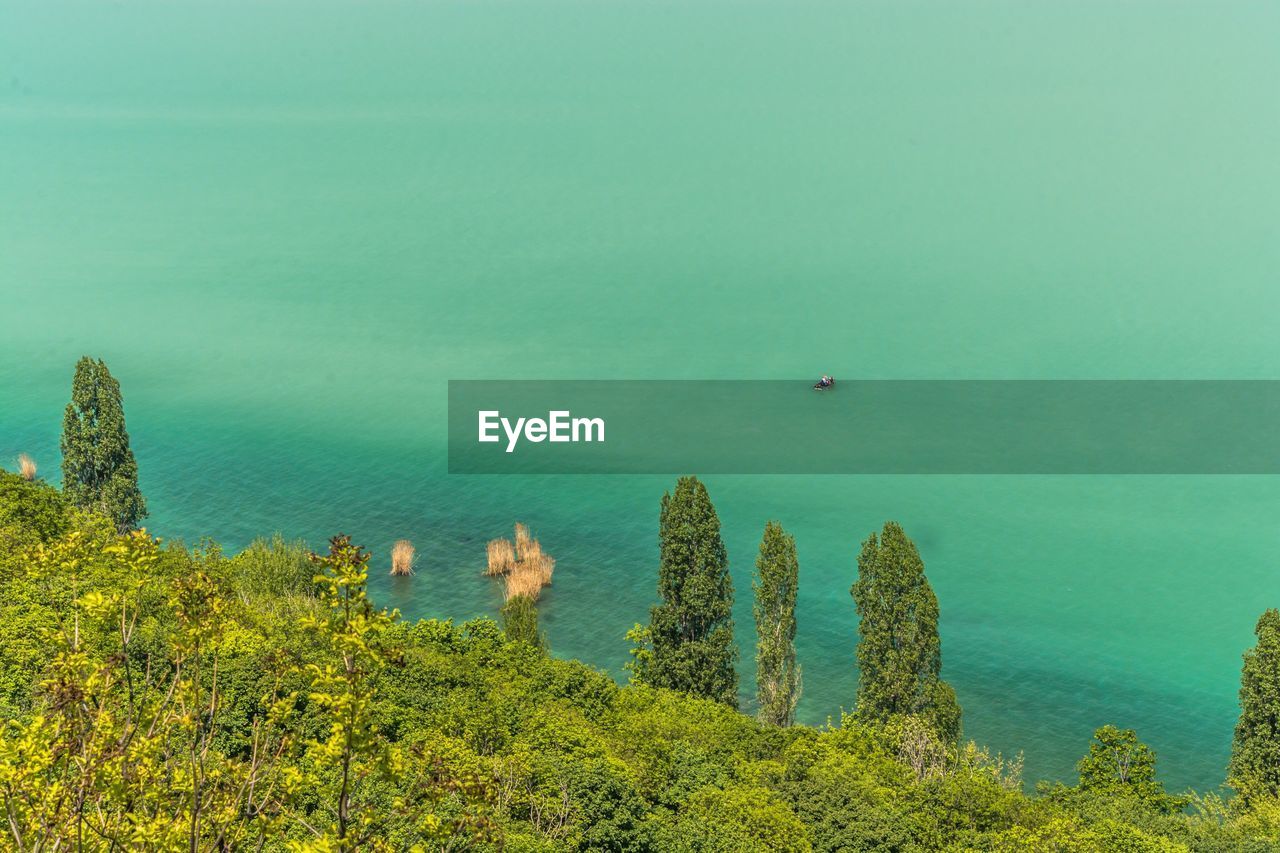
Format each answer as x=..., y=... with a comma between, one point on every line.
x=825, y=382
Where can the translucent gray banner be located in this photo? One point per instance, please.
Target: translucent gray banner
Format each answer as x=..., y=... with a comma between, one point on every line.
x=863, y=427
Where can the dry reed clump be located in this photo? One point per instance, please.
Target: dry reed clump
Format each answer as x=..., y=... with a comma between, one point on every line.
x=523, y=583
x=502, y=556
x=26, y=466
x=522, y=539
x=527, y=567
x=542, y=567
x=402, y=558
x=533, y=559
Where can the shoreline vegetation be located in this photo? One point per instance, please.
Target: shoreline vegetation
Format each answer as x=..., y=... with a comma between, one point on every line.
x=156, y=697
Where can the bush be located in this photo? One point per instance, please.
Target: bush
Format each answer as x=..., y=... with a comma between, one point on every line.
x=31, y=512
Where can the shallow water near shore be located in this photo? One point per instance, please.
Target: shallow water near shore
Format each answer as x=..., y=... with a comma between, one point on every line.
x=286, y=227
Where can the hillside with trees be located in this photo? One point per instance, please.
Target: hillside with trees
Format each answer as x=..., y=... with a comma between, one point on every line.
x=161, y=697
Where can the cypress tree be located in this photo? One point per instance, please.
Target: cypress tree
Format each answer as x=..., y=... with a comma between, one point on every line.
x=899, y=652
x=775, y=586
x=1254, y=769
x=691, y=630
x=98, y=468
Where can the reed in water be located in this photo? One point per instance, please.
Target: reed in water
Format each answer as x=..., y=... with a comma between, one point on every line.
x=533, y=559
x=402, y=558
x=502, y=556
x=526, y=566
x=522, y=539
x=522, y=582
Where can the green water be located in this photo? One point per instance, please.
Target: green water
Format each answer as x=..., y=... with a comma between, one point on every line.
x=286, y=225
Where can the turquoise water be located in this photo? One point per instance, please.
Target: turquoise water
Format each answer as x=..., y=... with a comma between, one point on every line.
x=286, y=225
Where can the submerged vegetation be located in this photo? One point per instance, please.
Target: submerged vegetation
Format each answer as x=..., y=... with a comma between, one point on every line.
x=520, y=621
x=158, y=697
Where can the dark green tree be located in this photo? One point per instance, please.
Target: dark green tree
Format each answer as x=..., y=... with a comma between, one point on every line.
x=98, y=468
x=1118, y=764
x=1255, y=751
x=899, y=652
x=775, y=586
x=520, y=621
x=691, y=630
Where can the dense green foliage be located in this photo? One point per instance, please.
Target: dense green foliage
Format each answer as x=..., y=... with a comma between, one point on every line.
x=899, y=652
x=775, y=586
x=30, y=511
x=1255, y=751
x=1117, y=762
x=98, y=468
x=691, y=630
x=157, y=697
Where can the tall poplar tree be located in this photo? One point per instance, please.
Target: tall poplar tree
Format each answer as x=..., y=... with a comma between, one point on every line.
x=1254, y=769
x=899, y=652
x=98, y=468
x=775, y=586
x=691, y=630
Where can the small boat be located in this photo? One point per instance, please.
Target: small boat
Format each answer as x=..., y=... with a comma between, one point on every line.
x=824, y=383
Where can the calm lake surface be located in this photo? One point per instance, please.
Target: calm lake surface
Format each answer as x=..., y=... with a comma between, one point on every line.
x=286, y=225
